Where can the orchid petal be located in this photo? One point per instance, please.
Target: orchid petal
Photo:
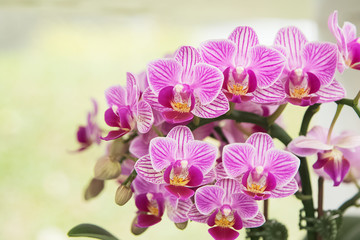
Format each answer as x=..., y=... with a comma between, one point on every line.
x=267, y=64
x=321, y=60
x=111, y=118
x=293, y=40
x=230, y=186
x=237, y=158
x=132, y=91
x=208, y=82
x=115, y=134
x=348, y=141
x=209, y=178
x=337, y=170
x=179, y=214
x=282, y=165
x=221, y=233
x=305, y=146
x=182, y=135
x=116, y=96
x=245, y=206
x=197, y=216
x=262, y=142
x=144, y=118
x=254, y=222
x=152, y=99
x=142, y=186
x=331, y=93
x=214, y=109
x=245, y=38
x=319, y=133
x=162, y=152
x=218, y=53
x=209, y=198
x=180, y=192
x=349, y=31
x=201, y=155
x=337, y=32
x=274, y=94
x=188, y=57
x=145, y=220
x=220, y=171
x=145, y=170
x=163, y=73
x=196, y=177
x=284, y=191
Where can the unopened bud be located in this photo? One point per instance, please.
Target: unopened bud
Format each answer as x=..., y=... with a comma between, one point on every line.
x=181, y=225
x=95, y=187
x=123, y=195
x=106, y=169
x=117, y=150
x=135, y=229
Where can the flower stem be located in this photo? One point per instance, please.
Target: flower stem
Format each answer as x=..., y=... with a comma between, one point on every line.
x=129, y=179
x=320, y=197
x=353, y=103
x=337, y=114
x=272, y=118
x=266, y=209
x=350, y=202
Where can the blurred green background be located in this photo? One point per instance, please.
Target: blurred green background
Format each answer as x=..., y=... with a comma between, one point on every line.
x=55, y=55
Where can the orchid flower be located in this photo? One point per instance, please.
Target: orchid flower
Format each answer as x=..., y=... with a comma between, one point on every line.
x=263, y=171
x=226, y=209
x=347, y=42
x=126, y=111
x=333, y=154
x=178, y=161
x=184, y=86
x=89, y=134
x=308, y=77
x=247, y=66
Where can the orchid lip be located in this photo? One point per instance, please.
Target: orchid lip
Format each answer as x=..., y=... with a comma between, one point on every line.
x=225, y=218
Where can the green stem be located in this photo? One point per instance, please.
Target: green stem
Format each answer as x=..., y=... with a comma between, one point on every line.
x=337, y=114
x=129, y=179
x=353, y=103
x=350, y=202
x=272, y=118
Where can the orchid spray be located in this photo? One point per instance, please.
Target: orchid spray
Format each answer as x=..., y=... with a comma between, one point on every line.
x=192, y=137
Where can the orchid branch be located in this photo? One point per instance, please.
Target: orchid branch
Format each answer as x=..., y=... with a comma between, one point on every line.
x=353, y=103
x=272, y=118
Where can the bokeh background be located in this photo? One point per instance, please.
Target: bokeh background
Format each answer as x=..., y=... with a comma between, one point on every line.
x=57, y=54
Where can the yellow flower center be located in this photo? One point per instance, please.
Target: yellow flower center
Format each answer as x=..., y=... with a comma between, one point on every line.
x=238, y=89
x=224, y=221
x=299, y=92
x=179, y=181
x=255, y=188
x=153, y=210
x=180, y=107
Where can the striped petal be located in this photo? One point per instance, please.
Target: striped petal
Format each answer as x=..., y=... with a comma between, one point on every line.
x=150, y=97
x=188, y=57
x=197, y=216
x=162, y=152
x=214, y=109
x=262, y=142
x=179, y=213
x=209, y=198
x=145, y=170
x=284, y=191
x=321, y=60
x=218, y=53
x=133, y=92
x=245, y=206
x=245, y=38
x=163, y=73
x=275, y=94
x=337, y=32
x=282, y=165
x=116, y=96
x=208, y=82
x=267, y=64
x=293, y=40
x=331, y=93
x=201, y=155
x=145, y=118
x=237, y=158
x=230, y=187
x=254, y=222
x=182, y=135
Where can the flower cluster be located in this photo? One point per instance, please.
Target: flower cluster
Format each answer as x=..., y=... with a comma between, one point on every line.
x=194, y=133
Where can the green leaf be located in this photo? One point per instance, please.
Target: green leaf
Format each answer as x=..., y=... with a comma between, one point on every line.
x=91, y=231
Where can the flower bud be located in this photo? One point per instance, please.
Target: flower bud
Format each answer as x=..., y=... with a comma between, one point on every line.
x=181, y=225
x=106, y=169
x=95, y=187
x=135, y=229
x=123, y=195
x=117, y=150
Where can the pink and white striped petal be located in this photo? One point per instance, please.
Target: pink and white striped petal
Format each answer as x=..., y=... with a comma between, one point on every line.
x=179, y=214
x=275, y=94
x=209, y=198
x=282, y=165
x=293, y=40
x=321, y=60
x=349, y=31
x=162, y=152
x=254, y=222
x=230, y=186
x=220, y=171
x=331, y=93
x=267, y=64
x=338, y=33
x=245, y=38
x=132, y=90
x=245, y=206
x=162, y=73
x=284, y=191
x=237, y=158
x=116, y=96
x=182, y=135
x=201, y=155
x=188, y=57
x=214, y=109
x=197, y=216
x=219, y=53
x=145, y=170
x=208, y=82
x=144, y=118
x=262, y=142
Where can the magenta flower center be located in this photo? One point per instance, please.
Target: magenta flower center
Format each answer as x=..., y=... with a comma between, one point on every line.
x=257, y=181
x=153, y=206
x=179, y=175
x=238, y=82
x=332, y=155
x=181, y=101
x=225, y=217
x=298, y=84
